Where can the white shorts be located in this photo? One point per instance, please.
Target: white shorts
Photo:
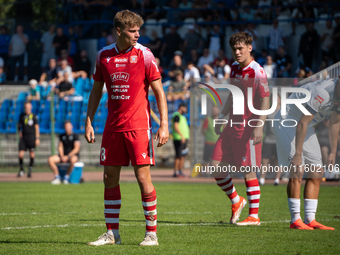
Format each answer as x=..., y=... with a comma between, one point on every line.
x=285, y=144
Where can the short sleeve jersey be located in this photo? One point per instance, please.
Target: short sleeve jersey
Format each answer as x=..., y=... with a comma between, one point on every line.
x=252, y=76
x=26, y=124
x=127, y=76
x=323, y=101
x=68, y=142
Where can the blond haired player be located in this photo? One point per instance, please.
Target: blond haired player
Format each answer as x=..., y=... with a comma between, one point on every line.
x=240, y=144
x=127, y=68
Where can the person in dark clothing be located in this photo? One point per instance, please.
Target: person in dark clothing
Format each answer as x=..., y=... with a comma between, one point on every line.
x=83, y=63
x=172, y=42
x=28, y=128
x=61, y=42
x=68, y=149
x=308, y=44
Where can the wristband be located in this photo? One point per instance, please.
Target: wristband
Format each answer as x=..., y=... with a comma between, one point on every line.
x=221, y=116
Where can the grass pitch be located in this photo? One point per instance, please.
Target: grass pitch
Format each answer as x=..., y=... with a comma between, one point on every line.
x=38, y=218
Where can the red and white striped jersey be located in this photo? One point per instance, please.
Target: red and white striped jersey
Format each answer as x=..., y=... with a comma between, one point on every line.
x=252, y=76
x=127, y=76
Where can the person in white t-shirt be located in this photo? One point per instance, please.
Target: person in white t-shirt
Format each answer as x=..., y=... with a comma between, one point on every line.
x=270, y=67
x=206, y=58
x=191, y=72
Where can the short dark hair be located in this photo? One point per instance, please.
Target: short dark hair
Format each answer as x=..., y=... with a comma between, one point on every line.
x=240, y=37
x=182, y=105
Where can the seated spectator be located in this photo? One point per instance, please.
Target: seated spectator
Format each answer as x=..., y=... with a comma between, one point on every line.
x=34, y=93
x=64, y=68
x=206, y=58
x=83, y=63
x=221, y=56
x=64, y=56
x=45, y=90
x=222, y=70
x=194, y=56
x=2, y=73
x=191, y=73
x=263, y=58
x=68, y=150
x=270, y=68
x=50, y=75
x=178, y=88
x=61, y=42
x=64, y=88
x=143, y=38
x=177, y=64
x=283, y=62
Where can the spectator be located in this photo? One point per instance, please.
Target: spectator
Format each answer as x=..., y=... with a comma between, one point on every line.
x=68, y=150
x=155, y=44
x=284, y=63
x=45, y=90
x=252, y=31
x=222, y=70
x=263, y=58
x=160, y=68
x=64, y=89
x=34, y=93
x=177, y=64
x=64, y=68
x=207, y=58
x=64, y=56
x=308, y=44
x=47, y=46
x=148, y=10
x=221, y=56
x=4, y=44
x=181, y=134
x=327, y=43
x=17, y=49
x=172, y=42
x=178, y=88
x=73, y=41
x=263, y=10
x=270, y=68
x=28, y=128
x=83, y=63
x=51, y=74
x=2, y=73
x=191, y=73
x=102, y=40
x=276, y=38
x=143, y=38
x=61, y=42
x=192, y=40
x=215, y=41
x=194, y=56
x=336, y=37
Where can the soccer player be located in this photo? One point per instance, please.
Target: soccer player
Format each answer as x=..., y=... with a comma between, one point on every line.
x=127, y=68
x=240, y=143
x=68, y=149
x=28, y=128
x=298, y=147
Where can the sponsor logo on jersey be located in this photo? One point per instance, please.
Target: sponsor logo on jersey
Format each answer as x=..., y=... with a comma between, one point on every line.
x=120, y=76
x=238, y=76
x=122, y=97
x=319, y=99
x=121, y=60
x=133, y=59
x=144, y=155
x=120, y=65
x=246, y=77
x=108, y=59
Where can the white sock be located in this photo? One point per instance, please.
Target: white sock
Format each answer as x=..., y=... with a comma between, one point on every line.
x=67, y=177
x=294, y=208
x=277, y=181
x=310, y=209
x=109, y=232
x=150, y=233
x=262, y=181
x=57, y=176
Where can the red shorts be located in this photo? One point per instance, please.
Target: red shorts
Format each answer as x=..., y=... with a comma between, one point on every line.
x=118, y=148
x=237, y=151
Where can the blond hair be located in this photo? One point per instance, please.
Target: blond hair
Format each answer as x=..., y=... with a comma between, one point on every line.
x=127, y=18
x=240, y=37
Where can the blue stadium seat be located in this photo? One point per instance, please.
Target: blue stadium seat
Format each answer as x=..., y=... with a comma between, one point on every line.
x=36, y=105
x=45, y=126
x=22, y=96
x=59, y=126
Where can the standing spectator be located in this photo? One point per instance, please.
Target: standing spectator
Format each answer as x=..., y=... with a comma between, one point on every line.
x=34, y=93
x=194, y=56
x=270, y=67
x=215, y=41
x=61, y=42
x=172, y=42
x=155, y=44
x=47, y=46
x=308, y=44
x=68, y=150
x=181, y=134
x=83, y=63
x=336, y=37
x=207, y=58
x=276, y=38
x=327, y=42
x=73, y=41
x=17, y=49
x=192, y=40
x=4, y=44
x=284, y=63
x=28, y=128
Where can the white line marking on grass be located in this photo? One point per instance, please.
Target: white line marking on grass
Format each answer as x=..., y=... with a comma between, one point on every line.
x=36, y=213
x=132, y=224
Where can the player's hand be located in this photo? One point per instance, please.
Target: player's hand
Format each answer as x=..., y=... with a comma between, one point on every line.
x=64, y=159
x=217, y=129
x=331, y=159
x=295, y=163
x=257, y=135
x=89, y=134
x=162, y=135
x=183, y=140
x=37, y=142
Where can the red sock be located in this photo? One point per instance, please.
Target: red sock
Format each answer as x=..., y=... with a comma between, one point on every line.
x=149, y=201
x=253, y=194
x=112, y=202
x=226, y=184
